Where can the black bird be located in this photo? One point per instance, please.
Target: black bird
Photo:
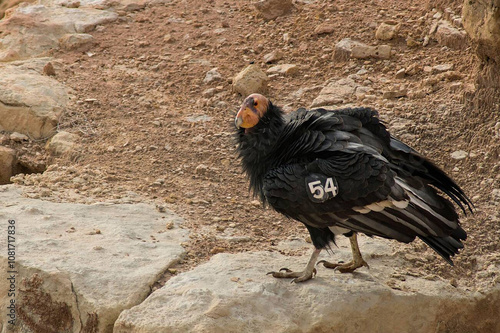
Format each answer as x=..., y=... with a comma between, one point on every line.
x=341, y=172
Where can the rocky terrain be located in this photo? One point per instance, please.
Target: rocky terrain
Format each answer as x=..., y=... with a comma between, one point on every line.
x=132, y=103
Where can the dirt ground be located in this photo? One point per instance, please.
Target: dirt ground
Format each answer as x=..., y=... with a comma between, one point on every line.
x=148, y=128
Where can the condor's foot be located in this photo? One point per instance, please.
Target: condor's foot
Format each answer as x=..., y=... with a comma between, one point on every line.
x=298, y=276
x=308, y=273
x=356, y=262
x=347, y=267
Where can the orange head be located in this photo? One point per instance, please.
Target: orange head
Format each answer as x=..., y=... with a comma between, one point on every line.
x=252, y=109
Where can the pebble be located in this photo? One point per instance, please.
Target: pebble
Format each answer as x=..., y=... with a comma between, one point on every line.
x=441, y=68
x=49, y=70
x=324, y=29
x=396, y=93
x=400, y=74
x=411, y=42
x=496, y=194
x=387, y=30
x=459, y=155
x=201, y=169
x=272, y=56
x=209, y=92
x=287, y=69
x=18, y=137
x=212, y=75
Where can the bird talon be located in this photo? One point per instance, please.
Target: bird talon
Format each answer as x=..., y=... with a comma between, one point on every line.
x=285, y=269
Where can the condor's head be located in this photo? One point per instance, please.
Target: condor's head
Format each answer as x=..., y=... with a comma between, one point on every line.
x=252, y=111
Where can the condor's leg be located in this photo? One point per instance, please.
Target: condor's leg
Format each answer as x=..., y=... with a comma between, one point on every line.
x=304, y=275
x=351, y=266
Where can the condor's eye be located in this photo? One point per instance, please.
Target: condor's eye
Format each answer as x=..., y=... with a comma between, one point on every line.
x=255, y=103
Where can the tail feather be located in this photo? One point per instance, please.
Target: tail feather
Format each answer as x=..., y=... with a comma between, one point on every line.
x=448, y=246
x=419, y=166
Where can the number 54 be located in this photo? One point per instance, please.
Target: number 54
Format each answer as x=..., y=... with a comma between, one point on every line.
x=318, y=190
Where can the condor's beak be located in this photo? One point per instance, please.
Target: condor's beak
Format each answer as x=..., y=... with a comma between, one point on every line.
x=238, y=121
x=246, y=118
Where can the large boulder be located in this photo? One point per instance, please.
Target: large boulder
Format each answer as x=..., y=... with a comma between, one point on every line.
x=30, y=103
x=231, y=293
x=76, y=267
x=8, y=161
x=481, y=20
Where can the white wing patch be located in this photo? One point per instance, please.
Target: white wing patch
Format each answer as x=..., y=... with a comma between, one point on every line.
x=381, y=205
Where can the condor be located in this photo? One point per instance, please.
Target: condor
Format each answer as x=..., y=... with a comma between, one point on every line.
x=341, y=172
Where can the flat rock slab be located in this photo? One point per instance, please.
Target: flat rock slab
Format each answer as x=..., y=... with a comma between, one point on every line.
x=80, y=265
x=231, y=293
x=31, y=30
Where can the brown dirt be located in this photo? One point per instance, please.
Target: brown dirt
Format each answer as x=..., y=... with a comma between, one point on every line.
x=146, y=74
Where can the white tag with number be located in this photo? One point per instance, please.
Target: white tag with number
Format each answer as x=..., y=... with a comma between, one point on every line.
x=321, y=188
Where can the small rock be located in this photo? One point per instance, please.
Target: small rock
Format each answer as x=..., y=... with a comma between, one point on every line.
x=18, y=137
x=396, y=93
x=250, y=80
x=76, y=41
x=201, y=169
x=343, y=49
x=379, y=52
x=49, y=70
x=387, y=30
x=271, y=9
x=286, y=37
x=212, y=75
x=411, y=42
x=61, y=143
x=437, y=16
x=70, y=4
x=272, y=56
x=348, y=48
x=255, y=203
x=459, y=154
x=496, y=194
x=362, y=71
x=324, y=29
x=450, y=36
x=168, y=38
x=426, y=41
x=442, y=68
x=196, y=119
x=449, y=76
x=287, y=69
x=209, y=92
x=400, y=74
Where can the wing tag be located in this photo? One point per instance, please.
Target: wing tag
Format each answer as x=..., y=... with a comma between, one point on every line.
x=320, y=188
